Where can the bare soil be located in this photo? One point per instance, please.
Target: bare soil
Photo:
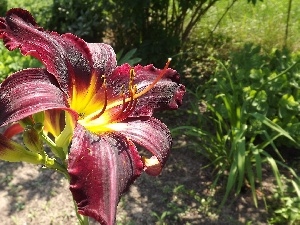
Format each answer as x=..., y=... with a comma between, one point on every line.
x=31, y=195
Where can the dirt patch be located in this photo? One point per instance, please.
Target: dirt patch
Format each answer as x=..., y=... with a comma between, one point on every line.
x=180, y=195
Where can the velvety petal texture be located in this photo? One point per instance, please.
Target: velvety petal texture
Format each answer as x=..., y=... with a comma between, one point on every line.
x=70, y=59
x=27, y=92
x=166, y=94
x=149, y=133
x=103, y=58
x=101, y=169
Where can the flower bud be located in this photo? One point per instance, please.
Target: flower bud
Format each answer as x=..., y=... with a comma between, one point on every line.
x=13, y=152
x=32, y=140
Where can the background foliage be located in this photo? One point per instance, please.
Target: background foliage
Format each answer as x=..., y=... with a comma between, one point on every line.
x=85, y=18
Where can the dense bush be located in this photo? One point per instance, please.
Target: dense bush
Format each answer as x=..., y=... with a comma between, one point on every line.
x=247, y=115
x=158, y=28
x=3, y=7
x=83, y=18
x=269, y=84
x=13, y=61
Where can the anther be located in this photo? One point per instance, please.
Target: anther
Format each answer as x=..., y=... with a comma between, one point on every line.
x=150, y=86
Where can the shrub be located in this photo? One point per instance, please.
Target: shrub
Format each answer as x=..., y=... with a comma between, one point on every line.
x=243, y=123
x=83, y=18
x=157, y=28
x=13, y=61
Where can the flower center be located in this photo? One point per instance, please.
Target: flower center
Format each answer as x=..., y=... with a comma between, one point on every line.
x=116, y=110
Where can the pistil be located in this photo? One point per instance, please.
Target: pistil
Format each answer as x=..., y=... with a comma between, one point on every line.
x=127, y=104
x=144, y=91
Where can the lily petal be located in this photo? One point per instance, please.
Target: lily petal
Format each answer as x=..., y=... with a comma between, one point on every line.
x=167, y=93
x=101, y=169
x=12, y=130
x=152, y=166
x=54, y=121
x=151, y=134
x=104, y=58
x=27, y=92
x=70, y=59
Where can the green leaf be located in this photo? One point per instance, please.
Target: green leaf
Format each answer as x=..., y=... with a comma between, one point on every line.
x=240, y=148
x=258, y=163
x=287, y=104
x=251, y=179
x=275, y=170
x=256, y=74
x=128, y=57
x=272, y=125
x=296, y=188
x=233, y=172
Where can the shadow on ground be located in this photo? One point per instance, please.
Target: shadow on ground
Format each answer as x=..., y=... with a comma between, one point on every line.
x=180, y=195
x=24, y=184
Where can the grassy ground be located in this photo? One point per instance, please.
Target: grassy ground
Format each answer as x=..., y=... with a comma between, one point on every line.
x=264, y=23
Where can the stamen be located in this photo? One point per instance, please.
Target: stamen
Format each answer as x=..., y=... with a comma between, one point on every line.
x=132, y=75
x=93, y=117
x=128, y=103
x=129, y=111
x=124, y=106
x=134, y=89
x=125, y=113
x=162, y=73
x=127, y=106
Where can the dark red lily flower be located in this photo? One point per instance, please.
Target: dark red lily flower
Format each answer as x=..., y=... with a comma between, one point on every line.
x=107, y=109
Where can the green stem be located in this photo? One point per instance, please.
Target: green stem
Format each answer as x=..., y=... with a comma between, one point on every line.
x=63, y=140
x=83, y=220
x=53, y=164
x=86, y=220
x=57, y=151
